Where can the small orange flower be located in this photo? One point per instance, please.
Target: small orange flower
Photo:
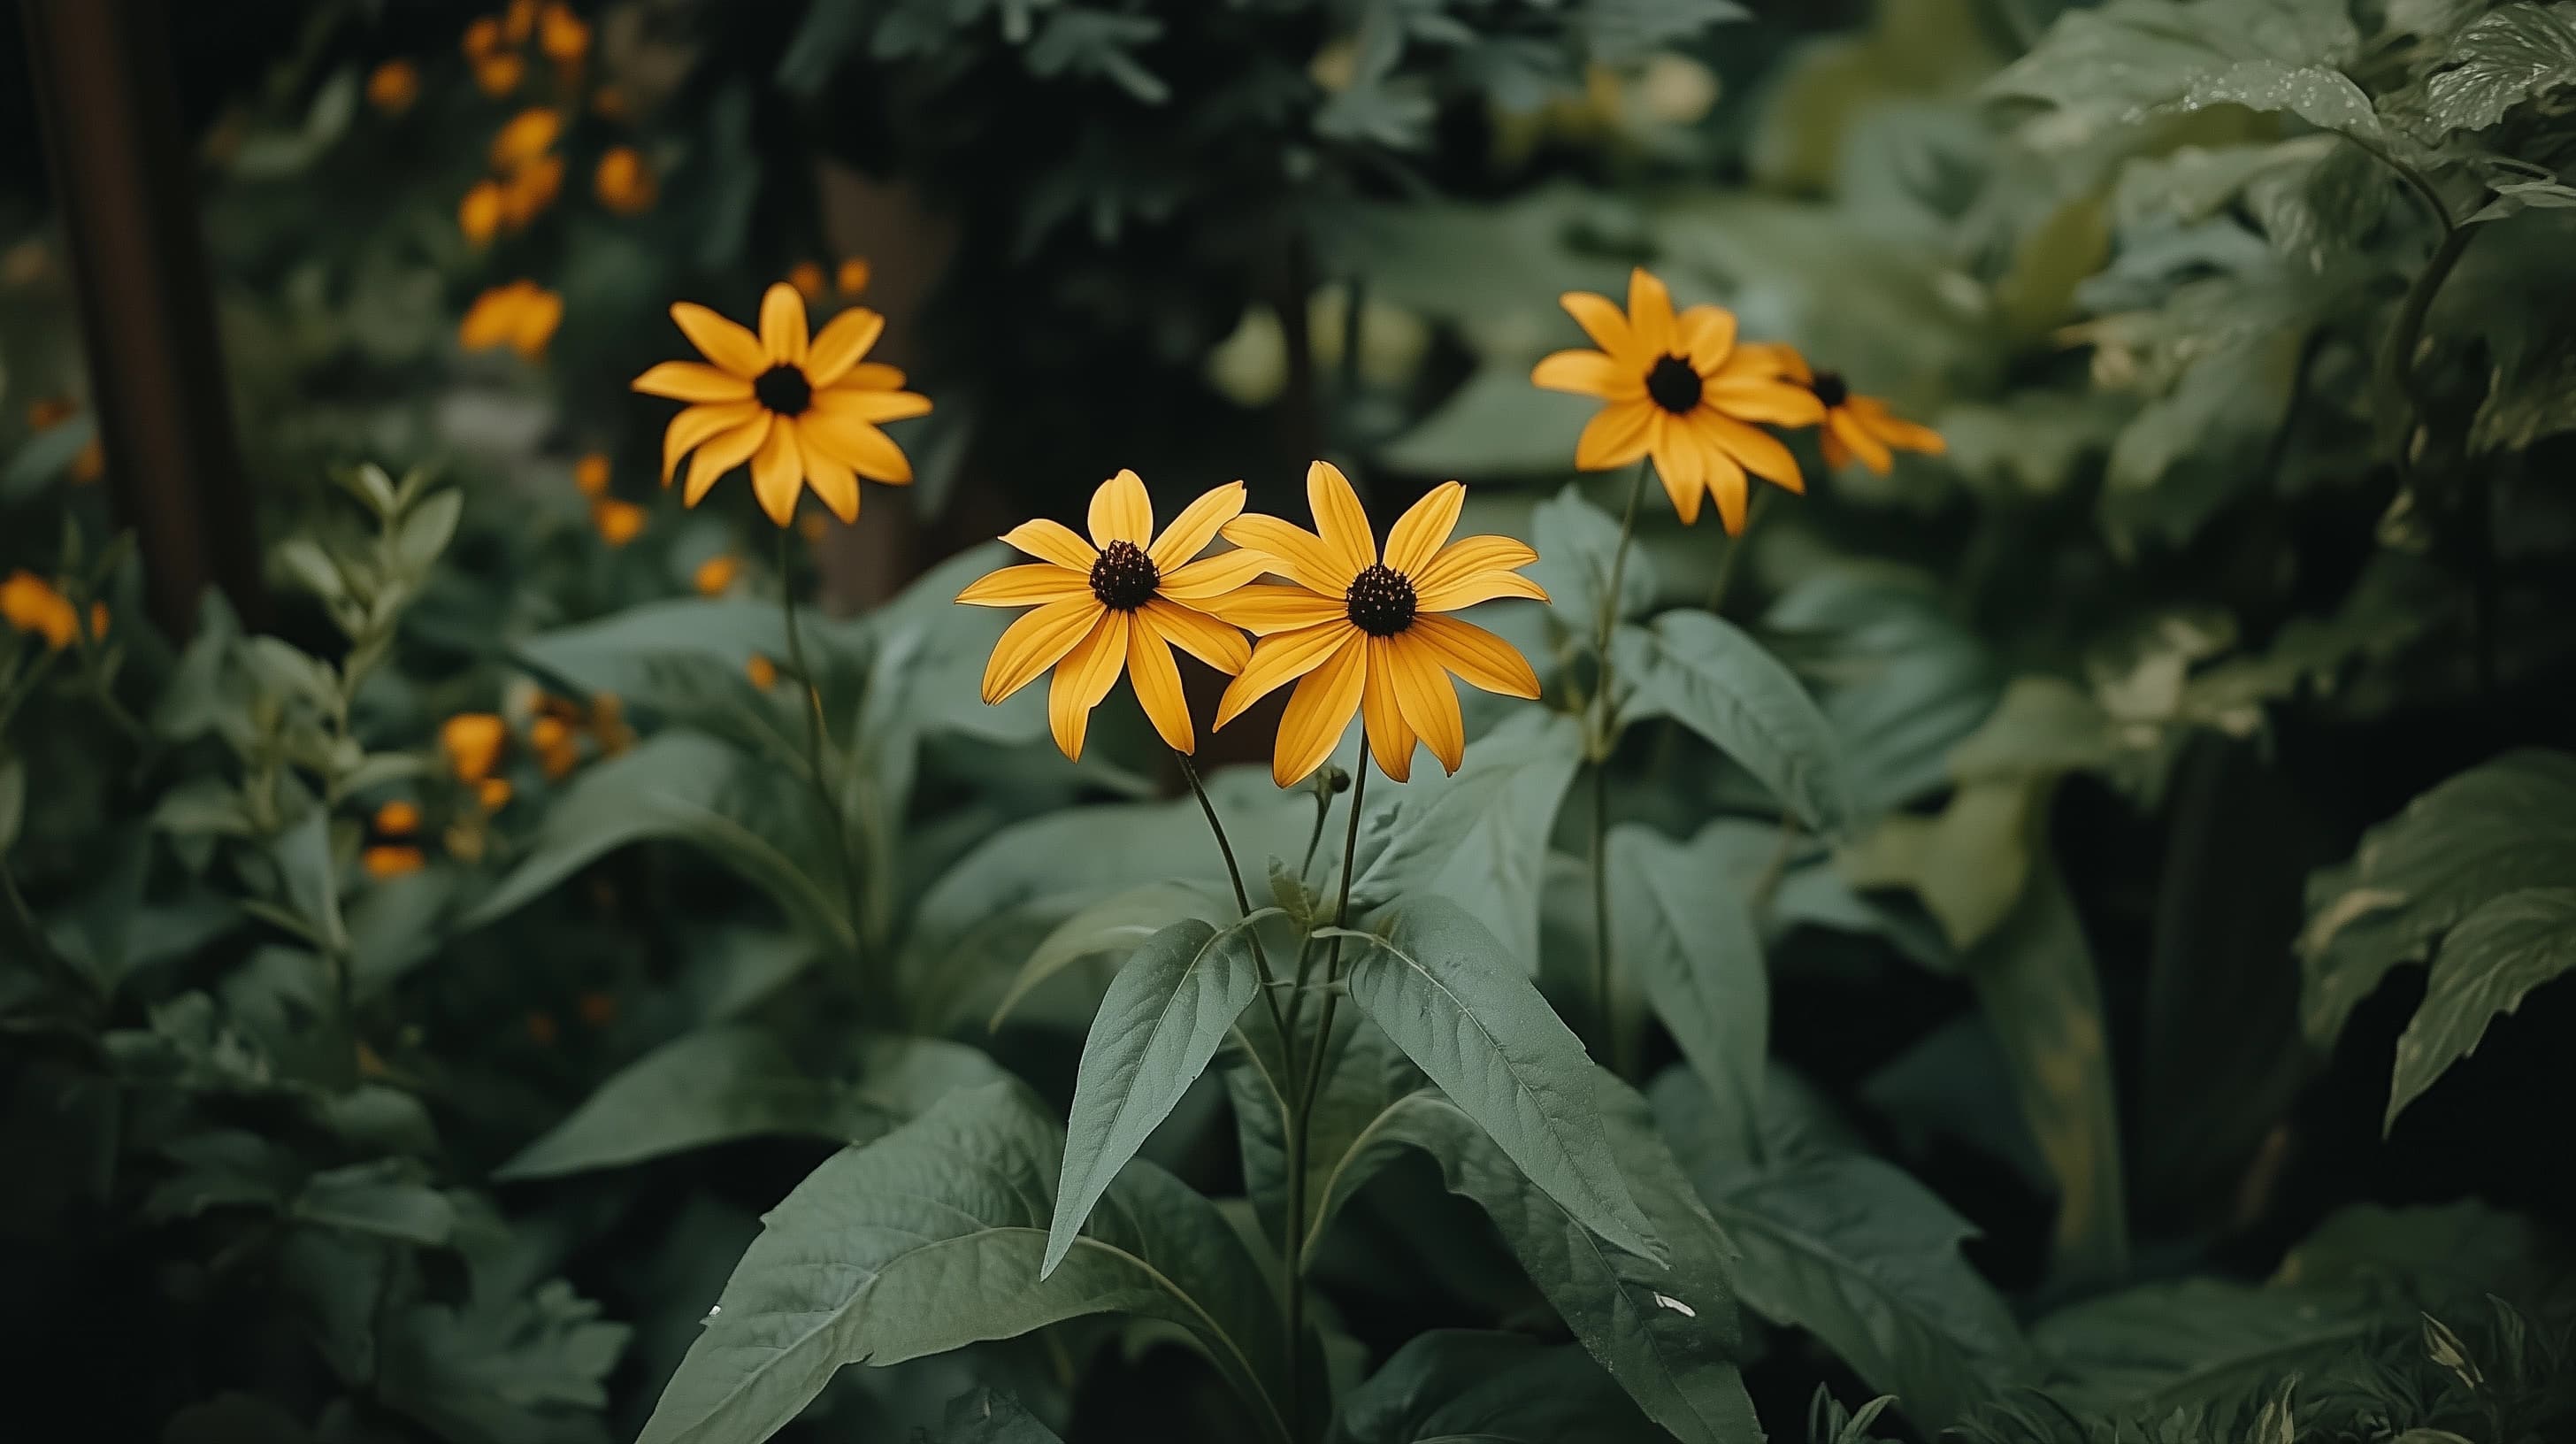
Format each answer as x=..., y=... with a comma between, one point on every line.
x=500, y=75
x=479, y=214
x=1856, y=427
x=393, y=86
x=527, y=137
x=762, y=671
x=807, y=278
x=30, y=604
x=715, y=576
x=562, y=35
x=591, y=474
x=493, y=793
x=473, y=742
x=853, y=276
x=521, y=315
x=530, y=189
x=619, y=522
x=397, y=819
x=387, y=861
x=519, y=21
x=622, y=182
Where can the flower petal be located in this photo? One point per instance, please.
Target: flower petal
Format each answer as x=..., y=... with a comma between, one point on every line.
x=1427, y=698
x=1279, y=660
x=1650, y=313
x=1476, y=655
x=722, y=453
x=830, y=477
x=867, y=403
x=1854, y=434
x=1616, y=436
x=778, y=472
x=1158, y=685
x=839, y=345
x=1707, y=337
x=1340, y=519
x=728, y=345
x=692, y=381
x=1726, y=483
x=1319, y=711
x=1055, y=542
x=1424, y=528
x=1589, y=373
x=1195, y=527
x=698, y=424
x=870, y=376
x=1601, y=319
x=1294, y=552
x=1122, y=511
x=1210, y=578
x=858, y=445
x=1780, y=402
x=1036, y=642
x=1264, y=611
x=1757, y=450
x=1084, y=677
x=1024, y=585
x=1212, y=641
x=1467, y=556
x=1685, y=496
x=1477, y=587
x=1774, y=360
x=1895, y=430
x=782, y=325
x=1381, y=721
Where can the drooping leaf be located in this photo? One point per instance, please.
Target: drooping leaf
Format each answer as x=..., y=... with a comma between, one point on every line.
x=2500, y=60
x=2496, y=955
x=1705, y=673
x=928, y=1240
x=1441, y=986
x=1677, y=925
x=744, y=1081
x=1165, y=1015
x=1456, y=1386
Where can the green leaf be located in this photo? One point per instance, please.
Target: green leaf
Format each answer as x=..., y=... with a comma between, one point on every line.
x=1479, y=838
x=929, y=1240
x=1576, y=541
x=2120, y=63
x=1117, y=924
x=387, y=1198
x=1903, y=681
x=1165, y=1015
x=1691, y=940
x=744, y=1081
x=44, y=457
x=2497, y=828
x=1856, y=1252
x=2160, y=1346
x=2499, y=61
x=1496, y=424
x=1441, y=986
x=2488, y=963
x=305, y=869
x=426, y=532
x=1705, y=673
x=1365, y=1074
x=1457, y=1386
x=984, y=1417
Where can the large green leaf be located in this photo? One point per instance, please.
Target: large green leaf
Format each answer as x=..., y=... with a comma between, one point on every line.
x=1705, y=673
x=2160, y=1346
x=744, y=1081
x=2119, y=63
x=1165, y=1015
x=2487, y=964
x=1456, y=1386
x=1856, y=1252
x=1478, y=839
x=2497, y=828
x=1675, y=920
x=1364, y=1075
x=928, y=1240
x=2499, y=61
x=1117, y=924
x=1494, y=425
x=1669, y=1332
x=1903, y=681
x=1576, y=543
x=1440, y=985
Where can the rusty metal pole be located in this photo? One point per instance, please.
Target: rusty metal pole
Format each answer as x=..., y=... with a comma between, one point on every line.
x=122, y=174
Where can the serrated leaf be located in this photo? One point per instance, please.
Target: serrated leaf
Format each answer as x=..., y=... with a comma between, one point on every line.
x=1707, y=674
x=929, y=1240
x=2497, y=955
x=1444, y=989
x=1165, y=1015
x=1691, y=941
x=745, y=1081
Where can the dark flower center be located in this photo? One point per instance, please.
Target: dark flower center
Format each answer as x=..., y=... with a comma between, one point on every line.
x=1673, y=385
x=783, y=389
x=1829, y=389
x=1124, y=578
x=1381, y=601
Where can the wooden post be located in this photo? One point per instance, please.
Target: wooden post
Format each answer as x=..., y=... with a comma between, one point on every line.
x=122, y=177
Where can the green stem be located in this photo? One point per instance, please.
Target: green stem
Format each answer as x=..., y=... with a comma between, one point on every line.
x=1301, y=1117
x=1242, y=897
x=1597, y=750
x=816, y=771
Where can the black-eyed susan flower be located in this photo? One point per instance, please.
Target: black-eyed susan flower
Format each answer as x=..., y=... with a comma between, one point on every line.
x=29, y=603
x=521, y=315
x=1680, y=390
x=802, y=413
x=1361, y=633
x=1856, y=427
x=1118, y=602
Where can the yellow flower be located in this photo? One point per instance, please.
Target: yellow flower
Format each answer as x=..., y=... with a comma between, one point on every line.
x=801, y=413
x=1365, y=633
x=622, y=182
x=762, y=671
x=562, y=35
x=500, y=75
x=479, y=214
x=715, y=576
x=521, y=315
x=852, y=277
x=393, y=86
x=519, y=21
x=472, y=742
x=1856, y=426
x=1680, y=390
x=397, y=819
x=619, y=522
x=1118, y=602
x=526, y=138
x=493, y=793
x=530, y=189
x=30, y=604
x=591, y=474
x=386, y=861
x=807, y=278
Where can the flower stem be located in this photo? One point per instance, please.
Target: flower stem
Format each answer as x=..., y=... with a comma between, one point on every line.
x=816, y=771
x=1597, y=754
x=1242, y=897
x=1301, y=1116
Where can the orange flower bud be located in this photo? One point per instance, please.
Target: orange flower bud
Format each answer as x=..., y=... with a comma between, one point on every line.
x=619, y=522
x=473, y=742
x=807, y=278
x=853, y=277
x=393, y=86
x=591, y=474
x=384, y=863
x=715, y=576
x=397, y=819
x=622, y=182
x=479, y=214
